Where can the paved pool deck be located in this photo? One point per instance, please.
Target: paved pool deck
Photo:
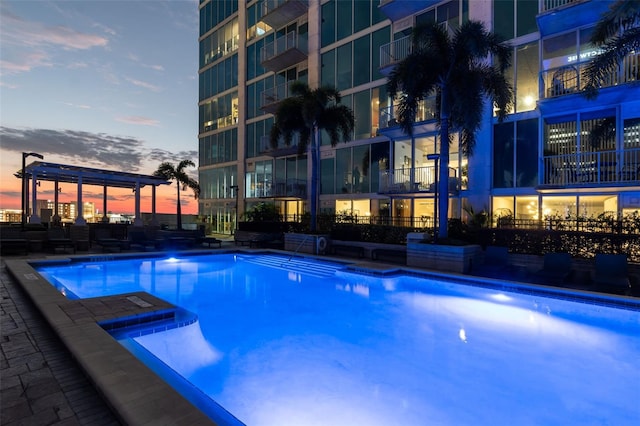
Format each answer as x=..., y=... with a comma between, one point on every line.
x=59, y=367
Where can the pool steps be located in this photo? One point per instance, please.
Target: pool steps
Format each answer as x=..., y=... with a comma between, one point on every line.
x=319, y=269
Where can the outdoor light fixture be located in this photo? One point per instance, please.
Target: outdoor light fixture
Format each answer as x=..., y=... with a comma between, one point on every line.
x=24, y=184
x=435, y=158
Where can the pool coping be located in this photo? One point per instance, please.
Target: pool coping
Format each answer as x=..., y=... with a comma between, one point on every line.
x=133, y=391
x=136, y=394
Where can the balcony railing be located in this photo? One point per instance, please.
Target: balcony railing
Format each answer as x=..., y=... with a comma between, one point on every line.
x=394, y=52
x=280, y=45
x=606, y=167
x=571, y=79
x=418, y=179
x=288, y=188
x=271, y=97
x=284, y=52
x=277, y=13
x=427, y=110
x=266, y=148
x=554, y=4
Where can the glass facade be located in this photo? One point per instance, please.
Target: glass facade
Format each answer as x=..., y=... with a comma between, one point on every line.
x=515, y=150
x=553, y=156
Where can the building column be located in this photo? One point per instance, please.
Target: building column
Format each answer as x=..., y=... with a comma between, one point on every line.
x=138, y=218
x=34, y=218
x=79, y=218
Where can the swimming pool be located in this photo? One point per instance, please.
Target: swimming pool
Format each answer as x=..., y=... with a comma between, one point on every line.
x=280, y=341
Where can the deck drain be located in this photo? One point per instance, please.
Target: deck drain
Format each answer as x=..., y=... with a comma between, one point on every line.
x=139, y=302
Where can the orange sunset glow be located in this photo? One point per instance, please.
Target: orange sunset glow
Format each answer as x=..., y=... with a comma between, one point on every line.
x=119, y=200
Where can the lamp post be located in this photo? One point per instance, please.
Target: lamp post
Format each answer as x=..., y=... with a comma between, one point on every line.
x=435, y=158
x=24, y=184
x=235, y=190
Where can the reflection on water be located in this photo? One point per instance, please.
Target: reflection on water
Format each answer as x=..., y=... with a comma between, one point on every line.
x=283, y=347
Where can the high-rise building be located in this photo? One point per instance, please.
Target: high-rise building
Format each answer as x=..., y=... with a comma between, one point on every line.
x=557, y=154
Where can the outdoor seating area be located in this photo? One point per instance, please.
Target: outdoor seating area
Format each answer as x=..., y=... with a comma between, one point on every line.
x=57, y=238
x=257, y=239
x=612, y=273
x=13, y=240
x=556, y=268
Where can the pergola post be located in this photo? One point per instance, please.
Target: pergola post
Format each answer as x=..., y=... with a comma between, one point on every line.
x=56, y=215
x=80, y=218
x=105, y=219
x=138, y=219
x=34, y=218
x=154, y=218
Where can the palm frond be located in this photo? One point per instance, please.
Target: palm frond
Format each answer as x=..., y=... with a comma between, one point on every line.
x=617, y=34
x=623, y=13
x=166, y=171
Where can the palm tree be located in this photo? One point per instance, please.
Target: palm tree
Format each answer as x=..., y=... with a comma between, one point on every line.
x=455, y=69
x=617, y=35
x=168, y=171
x=306, y=112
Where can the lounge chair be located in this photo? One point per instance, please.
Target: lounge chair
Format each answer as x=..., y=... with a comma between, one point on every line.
x=210, y=241
x=57, y=238
x=496, y=263
x=611, y=273
x=556, y=268
x=12, y=239
x=138, y=238
x=104, y=239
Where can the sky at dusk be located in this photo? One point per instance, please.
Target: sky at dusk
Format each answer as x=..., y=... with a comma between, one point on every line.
x=99, y=83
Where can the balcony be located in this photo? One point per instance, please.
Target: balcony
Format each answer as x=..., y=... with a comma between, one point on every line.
x=265, y=147
x=286, y=188
x=284, y=52
x=617, y=168
x=393, y=53
x=570, y=79
x=557, y=16
x=427, y=111
x=277, y=13
x=411, y=181
x=399, y=9
x=548, y=5
x=271, y=98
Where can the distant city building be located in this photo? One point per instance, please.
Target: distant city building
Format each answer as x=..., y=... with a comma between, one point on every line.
x=557, y=154
x=9, y=215
x=67, y=211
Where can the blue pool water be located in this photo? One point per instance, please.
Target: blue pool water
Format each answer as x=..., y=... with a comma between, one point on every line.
x=282, y=341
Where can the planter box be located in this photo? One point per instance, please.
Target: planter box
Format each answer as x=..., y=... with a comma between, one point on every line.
x=460, y=259
x=305, y=243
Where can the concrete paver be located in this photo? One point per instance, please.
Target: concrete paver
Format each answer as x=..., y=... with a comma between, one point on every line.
x=40, y=383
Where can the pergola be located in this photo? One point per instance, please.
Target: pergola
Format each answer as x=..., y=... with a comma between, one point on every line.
x=42, y=171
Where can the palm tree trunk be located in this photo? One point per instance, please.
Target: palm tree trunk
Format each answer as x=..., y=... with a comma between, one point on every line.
x=179, y=210
x=443, y=190
x=315, y=147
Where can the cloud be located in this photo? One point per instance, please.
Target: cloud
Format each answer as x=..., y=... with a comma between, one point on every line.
x=24, y=62
x=161, y=155
x=143, y=84
x=28, y=44
x=84, y=148
x=133, y=57
x=76, y=105
x=8, y=85
x=17, y=31
x=91, y=149
x=138, y=120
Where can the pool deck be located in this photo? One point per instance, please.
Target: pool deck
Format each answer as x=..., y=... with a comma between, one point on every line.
x=60, y=367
